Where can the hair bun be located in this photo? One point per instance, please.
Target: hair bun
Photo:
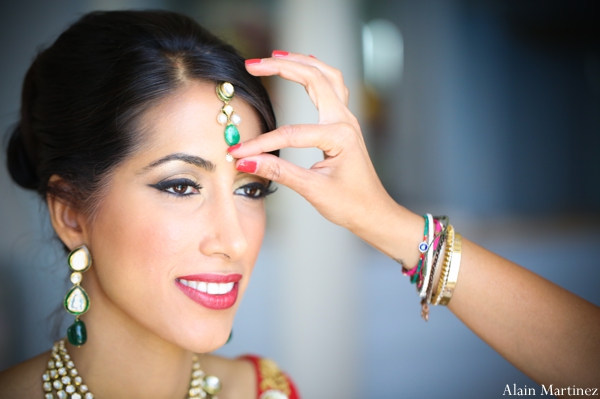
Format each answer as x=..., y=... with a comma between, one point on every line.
x=19, y=163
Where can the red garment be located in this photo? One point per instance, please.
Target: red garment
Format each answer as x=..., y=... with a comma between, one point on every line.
x=270, y=379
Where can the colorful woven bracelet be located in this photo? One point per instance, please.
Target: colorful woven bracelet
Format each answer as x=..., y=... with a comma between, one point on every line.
x=413, y=273
x=423, y=248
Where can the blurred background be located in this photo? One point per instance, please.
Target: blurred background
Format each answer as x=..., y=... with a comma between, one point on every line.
x=484, y=110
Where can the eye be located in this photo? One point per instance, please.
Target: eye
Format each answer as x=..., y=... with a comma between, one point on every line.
x=181, y=189
x=255, y=190
x=178, y=187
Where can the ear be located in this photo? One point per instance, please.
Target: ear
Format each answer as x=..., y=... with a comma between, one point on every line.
x=68, y=222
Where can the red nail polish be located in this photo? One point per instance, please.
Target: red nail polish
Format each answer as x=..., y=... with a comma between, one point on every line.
x=280, y=53
x=234, y=147
x=253, y=61
x=246, y=165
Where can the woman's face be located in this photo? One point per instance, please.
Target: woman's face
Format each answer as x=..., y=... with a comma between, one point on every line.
x=175, y=239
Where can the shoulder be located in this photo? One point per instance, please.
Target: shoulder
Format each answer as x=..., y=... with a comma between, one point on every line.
x=271, y=381
x=25, y=379
x=250, y=377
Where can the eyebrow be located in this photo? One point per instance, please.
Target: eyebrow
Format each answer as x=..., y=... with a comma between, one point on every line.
x=191, y=159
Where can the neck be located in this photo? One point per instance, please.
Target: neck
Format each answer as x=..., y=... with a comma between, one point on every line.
x=122, y=359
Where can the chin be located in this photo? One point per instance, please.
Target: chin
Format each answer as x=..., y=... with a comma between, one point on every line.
x=201, y=337
x=208, y=343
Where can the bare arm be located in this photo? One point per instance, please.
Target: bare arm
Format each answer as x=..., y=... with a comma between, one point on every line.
x=547, y=332
x=551, y=335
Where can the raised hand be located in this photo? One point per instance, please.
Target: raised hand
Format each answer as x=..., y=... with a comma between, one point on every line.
x=344, y=186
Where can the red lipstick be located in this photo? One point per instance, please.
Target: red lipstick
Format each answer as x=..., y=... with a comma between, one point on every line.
x=208, y=289
x=213, y=278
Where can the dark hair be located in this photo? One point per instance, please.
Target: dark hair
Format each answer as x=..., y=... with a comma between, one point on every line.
x=82, y=95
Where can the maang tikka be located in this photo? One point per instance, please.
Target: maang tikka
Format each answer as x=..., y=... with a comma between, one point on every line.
x=228, y=117
x=77, y=301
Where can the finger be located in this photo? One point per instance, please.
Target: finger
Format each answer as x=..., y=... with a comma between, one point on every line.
x=280, y=171
x=321, y=93
x=328, y=138
x=333, y=75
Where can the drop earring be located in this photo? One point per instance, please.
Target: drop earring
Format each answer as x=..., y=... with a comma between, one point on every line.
x=77, y=301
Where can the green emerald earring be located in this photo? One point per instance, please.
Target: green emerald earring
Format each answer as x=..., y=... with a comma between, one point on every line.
x=228, y=117
x=77, y=301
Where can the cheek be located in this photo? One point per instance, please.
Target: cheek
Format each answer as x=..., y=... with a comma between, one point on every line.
x=253, y=223
x=137, y=249
x=140, y=238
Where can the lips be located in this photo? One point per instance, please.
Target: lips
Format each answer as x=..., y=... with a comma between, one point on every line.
x=213, y=291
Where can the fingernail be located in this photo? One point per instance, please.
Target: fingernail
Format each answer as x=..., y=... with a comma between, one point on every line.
x=253, y=61
x=312, y=56
x=234, y=147
x=280, y=53
x=246, y=165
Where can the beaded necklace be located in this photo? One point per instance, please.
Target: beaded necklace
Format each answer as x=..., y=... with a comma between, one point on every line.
x=62, y=380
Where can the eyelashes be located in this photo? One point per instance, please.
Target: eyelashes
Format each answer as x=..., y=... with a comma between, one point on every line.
x=255, y=190
x=178, y=187
x=186, y=187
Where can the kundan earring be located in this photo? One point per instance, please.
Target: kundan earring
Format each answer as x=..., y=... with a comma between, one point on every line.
x=228, y=117
x=77, y=301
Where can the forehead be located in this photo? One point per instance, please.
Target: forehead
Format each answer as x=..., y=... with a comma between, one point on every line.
x=186, y=121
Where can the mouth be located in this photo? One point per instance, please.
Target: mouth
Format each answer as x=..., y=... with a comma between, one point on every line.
x=213, y=291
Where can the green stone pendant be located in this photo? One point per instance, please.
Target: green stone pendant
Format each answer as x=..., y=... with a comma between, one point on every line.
x=77, y=301
x=232, y=135
x=76, y=333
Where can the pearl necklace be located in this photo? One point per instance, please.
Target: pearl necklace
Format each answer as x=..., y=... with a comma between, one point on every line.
x=63, y=379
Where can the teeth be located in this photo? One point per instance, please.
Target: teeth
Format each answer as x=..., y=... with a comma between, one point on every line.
x=213, y=288
x=210, y=288
x=225, y=288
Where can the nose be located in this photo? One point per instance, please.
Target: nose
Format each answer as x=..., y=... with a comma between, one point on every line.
x=221, y=231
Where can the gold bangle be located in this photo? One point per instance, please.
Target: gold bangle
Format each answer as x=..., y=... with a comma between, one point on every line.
x=441, y=285
x=453, y=270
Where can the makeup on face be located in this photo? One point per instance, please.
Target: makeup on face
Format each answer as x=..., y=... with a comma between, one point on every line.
x=213, y=291
x=253, y=190
x=182, y=206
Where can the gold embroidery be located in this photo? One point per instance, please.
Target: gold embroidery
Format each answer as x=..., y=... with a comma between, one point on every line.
x=272, y=377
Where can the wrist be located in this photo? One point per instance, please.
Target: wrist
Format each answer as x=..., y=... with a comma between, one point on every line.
x=393, y=230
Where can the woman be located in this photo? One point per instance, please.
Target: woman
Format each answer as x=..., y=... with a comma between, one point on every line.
x=122, y=134
x=518, y=327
